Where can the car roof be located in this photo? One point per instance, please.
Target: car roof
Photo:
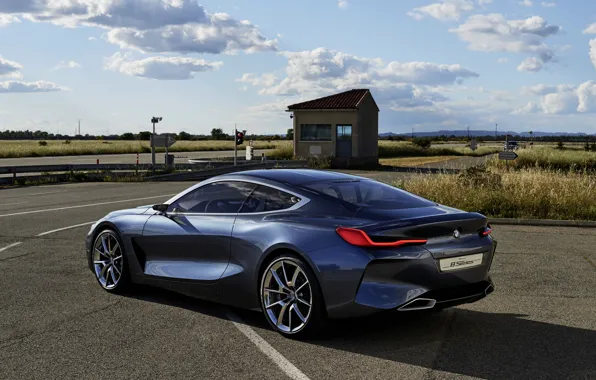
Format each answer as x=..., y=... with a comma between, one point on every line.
x=295, y=176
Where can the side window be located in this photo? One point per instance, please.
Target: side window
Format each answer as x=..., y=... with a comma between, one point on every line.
x=265, y=199
x=214, y=198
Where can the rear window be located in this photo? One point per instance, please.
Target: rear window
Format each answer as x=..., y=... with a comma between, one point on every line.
x=369, y=194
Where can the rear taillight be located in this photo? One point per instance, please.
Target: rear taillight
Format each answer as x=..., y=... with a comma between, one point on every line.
x=361, y=239
x=487, y=231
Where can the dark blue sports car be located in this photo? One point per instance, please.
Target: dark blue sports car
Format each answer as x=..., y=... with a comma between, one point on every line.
x=302, y=246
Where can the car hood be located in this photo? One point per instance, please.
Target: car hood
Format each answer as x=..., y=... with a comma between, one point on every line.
x=130, y=211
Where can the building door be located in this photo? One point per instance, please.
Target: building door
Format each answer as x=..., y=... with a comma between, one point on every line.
x=343, y=141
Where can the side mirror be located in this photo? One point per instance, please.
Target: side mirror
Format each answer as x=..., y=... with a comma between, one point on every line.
x=161, y=207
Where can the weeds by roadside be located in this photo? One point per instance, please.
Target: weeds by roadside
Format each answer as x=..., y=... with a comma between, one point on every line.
x=524, y=193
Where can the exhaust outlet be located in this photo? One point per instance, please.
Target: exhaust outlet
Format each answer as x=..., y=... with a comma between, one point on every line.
x=419, y=304
x=489, y=289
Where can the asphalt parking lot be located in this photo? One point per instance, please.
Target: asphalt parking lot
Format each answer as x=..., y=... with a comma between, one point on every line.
x=57, y=323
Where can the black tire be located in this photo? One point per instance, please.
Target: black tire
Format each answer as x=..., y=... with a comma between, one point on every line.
x=123, y=282
x=317, y=317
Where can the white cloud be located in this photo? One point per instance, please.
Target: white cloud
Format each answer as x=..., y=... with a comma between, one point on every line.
x=343, y=4
x=26, y=87
x=494, y=33
x=559, y=103
x=222, y=34
x=8, y=19
x=547, y=4
x=67, y=65
x=139, y=14
x=485, y=2
x=321, y=70
x=532, y=64
x=586, y=93
x=265, y=80
x=593, y=51
x=503, y=60
x=529, y=108
x=542, y=89
x=149, y=25
x=591, y=29
x=526, y=3
x=445, y=10
x=92, y=38
x=9, y=68
x=161, y=68
x=561, y=99
x=409, y=89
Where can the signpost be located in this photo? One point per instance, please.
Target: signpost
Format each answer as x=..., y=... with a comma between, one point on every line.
x=163, y=141
x=154, y=120
x=507, y=156
x=473, y=144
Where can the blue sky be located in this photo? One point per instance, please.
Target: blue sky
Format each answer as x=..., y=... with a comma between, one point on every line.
x=113, y=64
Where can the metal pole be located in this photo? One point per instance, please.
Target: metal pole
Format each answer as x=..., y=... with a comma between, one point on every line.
x=153, y=146
x=235, y=145
x=167, y=164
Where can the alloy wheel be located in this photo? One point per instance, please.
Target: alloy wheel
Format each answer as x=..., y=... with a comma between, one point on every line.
x=107, y=260
x=287, y=296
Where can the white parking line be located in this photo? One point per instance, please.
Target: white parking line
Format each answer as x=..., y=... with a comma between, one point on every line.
x=65, y=228
x=87, y=205
x=10, y=246
x=283, y=363
x=46, y=193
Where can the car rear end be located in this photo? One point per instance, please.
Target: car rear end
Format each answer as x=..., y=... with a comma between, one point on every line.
x=426, y=262
x=420, y=255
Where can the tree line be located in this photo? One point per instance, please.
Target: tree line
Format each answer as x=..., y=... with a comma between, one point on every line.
x=216, y=134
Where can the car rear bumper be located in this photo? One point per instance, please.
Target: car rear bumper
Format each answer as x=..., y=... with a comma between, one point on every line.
x=404, y=282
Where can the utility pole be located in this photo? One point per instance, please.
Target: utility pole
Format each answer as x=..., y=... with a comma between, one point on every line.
x=235, y=144
x=154, y=120
x=79, y=133
x=412, y=132
x=468, y=132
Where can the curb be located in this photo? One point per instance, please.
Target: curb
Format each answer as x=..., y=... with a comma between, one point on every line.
x=543, y=222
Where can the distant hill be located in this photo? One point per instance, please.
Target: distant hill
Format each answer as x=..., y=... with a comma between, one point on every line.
x=464, y=133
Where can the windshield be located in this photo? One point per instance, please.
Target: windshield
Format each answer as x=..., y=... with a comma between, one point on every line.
x=369, y=194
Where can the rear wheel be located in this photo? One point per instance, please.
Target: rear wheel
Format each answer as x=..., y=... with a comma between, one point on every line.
x=109, y=262
x=291, y=299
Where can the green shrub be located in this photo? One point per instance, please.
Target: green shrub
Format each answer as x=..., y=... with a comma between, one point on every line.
x=423, y=143
x=43, y=143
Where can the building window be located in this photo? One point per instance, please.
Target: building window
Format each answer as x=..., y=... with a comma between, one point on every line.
x=315, y=132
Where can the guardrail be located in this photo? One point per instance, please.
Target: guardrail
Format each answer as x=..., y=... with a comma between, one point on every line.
x=200, y=175
x=193, y=170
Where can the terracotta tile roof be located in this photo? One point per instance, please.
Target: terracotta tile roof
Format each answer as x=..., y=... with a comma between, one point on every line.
x=344, y=100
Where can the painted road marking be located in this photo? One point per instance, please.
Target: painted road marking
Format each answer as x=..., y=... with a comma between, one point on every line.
x=10, y=246
x=46, y=193
x=81, y=206
x=283, y=363
x=65, y=228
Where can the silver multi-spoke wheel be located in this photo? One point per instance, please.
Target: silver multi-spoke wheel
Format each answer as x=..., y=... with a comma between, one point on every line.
x=107, y=259
x=287, y=296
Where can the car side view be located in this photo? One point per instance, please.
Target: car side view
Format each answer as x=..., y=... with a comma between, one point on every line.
x=302, y=246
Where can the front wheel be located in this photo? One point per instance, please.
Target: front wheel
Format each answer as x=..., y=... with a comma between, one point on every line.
x=109, y=262
x=291, y=299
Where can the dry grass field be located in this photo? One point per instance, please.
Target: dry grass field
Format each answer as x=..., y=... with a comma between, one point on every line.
x=542, y=183
x=31, y=148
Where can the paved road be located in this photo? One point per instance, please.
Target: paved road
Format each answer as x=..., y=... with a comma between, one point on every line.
x=56, y=323
x=144, y=158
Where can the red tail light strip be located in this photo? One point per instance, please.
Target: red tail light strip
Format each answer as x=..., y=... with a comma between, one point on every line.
x=487, y=231
x=361, y=239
